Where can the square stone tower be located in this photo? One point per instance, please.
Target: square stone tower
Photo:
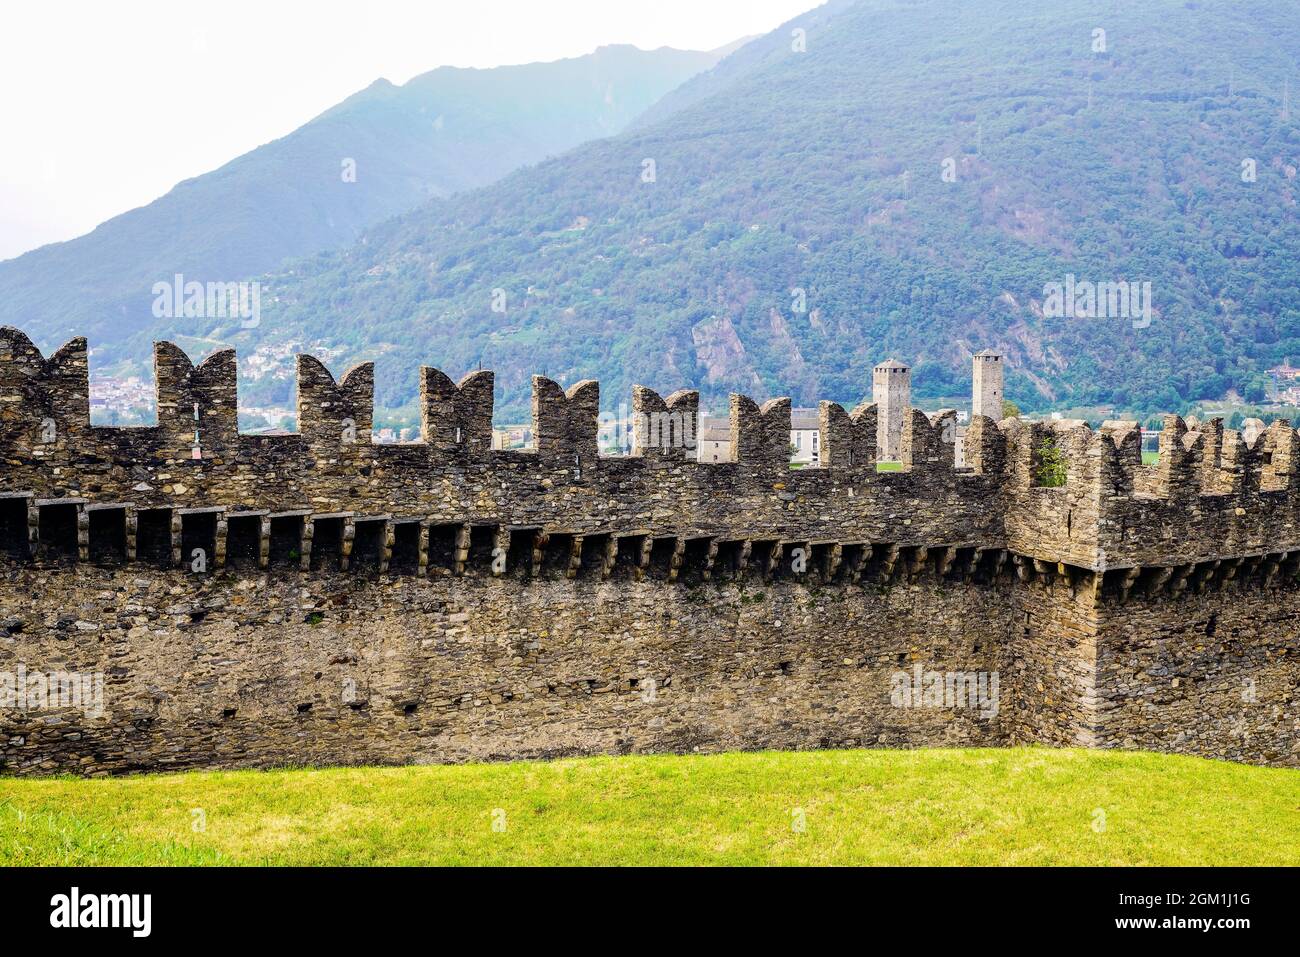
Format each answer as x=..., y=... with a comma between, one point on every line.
x=891, y=390
x=987, y=386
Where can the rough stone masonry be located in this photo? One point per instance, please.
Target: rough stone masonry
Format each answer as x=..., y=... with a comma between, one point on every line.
x=252, y=601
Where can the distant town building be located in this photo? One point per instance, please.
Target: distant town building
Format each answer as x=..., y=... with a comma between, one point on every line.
x=512, y=437
x=805, y=436
x=1286, y=383
x=1285, y=371
x=713, y=440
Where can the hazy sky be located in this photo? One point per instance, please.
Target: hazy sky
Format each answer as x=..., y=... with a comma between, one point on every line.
x=104, y=106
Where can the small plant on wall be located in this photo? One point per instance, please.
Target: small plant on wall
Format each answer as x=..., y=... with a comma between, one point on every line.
x=1049, y=464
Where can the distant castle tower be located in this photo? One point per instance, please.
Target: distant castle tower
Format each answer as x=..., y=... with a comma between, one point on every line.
x=987, y=397
x=891, y=391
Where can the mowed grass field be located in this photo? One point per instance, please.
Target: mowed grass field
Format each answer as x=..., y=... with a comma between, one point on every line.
x=1012, y=806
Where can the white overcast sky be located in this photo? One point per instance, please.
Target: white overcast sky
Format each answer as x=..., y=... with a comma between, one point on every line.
x=104, y=106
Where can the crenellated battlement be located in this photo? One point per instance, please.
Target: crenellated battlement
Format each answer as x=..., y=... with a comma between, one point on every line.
x=255, y=599
x=196, y=462
x=1214, y=493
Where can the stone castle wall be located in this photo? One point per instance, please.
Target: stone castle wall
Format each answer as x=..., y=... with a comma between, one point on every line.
x=254, y=600
x=314, y=668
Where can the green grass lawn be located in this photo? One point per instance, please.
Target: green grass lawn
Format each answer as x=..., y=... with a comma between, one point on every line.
x=1013, y=806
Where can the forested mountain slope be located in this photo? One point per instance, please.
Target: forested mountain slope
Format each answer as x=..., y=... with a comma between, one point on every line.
x=1115, y=156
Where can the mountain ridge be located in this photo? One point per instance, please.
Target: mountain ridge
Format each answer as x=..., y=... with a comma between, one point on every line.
x=443, y=131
